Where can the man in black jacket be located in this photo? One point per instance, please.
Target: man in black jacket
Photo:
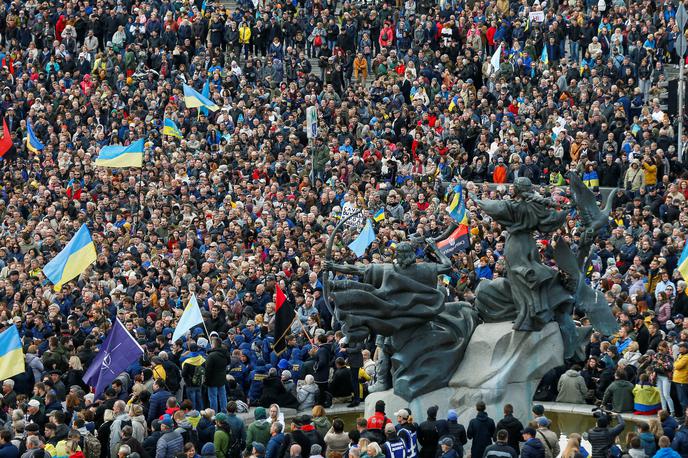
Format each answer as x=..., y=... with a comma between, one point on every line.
x=512, y=426
x=322, y=371
x=215, y=373
x=609, y=172
x=602, y=437
x=452, y=428
x=341, y=387
x=481, y=430
x=428, y=435
x=501, y=448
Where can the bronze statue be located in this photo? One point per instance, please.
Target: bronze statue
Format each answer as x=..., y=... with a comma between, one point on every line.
x=401, y=301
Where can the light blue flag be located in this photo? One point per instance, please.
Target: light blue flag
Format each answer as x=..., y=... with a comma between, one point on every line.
x=544, y=57
x=206, y=94
x=190, y=318
x=364, y=239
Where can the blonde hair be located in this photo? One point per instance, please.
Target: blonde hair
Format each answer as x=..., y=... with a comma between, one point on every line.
x=376, y=447
x=75, y=363
x=318, y=411
x=572, y=446
x=655, y=427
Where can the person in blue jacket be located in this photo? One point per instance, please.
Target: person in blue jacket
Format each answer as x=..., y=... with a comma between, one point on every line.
x=532, y=447
x=276, y=441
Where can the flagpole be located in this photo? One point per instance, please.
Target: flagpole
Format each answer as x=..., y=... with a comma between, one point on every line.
x=304, y=329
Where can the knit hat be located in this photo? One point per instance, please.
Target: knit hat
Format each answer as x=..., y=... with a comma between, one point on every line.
x=208, y=449
x=260, y=413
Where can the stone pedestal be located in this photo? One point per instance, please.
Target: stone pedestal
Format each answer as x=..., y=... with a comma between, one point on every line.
x=500, y=366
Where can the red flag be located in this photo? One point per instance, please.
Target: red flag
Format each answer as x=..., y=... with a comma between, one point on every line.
x=6, y=140
x=284, y=317
x=279, y=298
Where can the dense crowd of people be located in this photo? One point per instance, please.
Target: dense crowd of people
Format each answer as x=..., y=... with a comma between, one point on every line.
x=412, y=98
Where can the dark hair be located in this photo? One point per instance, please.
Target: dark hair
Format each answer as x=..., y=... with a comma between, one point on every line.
x=502, y=435
x=508, y=409
x=338, y=425
x=480, y=406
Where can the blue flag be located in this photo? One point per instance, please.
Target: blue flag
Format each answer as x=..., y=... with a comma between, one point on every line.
x=117, y=353
x=364, y=239
x=206, y=94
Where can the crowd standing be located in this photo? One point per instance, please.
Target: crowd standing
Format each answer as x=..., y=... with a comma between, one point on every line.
x=412, y=96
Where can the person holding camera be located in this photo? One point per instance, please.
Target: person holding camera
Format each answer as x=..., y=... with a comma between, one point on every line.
x=602, y=437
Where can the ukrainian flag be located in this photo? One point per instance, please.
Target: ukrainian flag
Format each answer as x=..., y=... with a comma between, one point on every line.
x=117, y=156
x=193, y=99
x=32, y=143
x=79, y=253
x=457, y=208
x=683, y=263
x=11, y=354
x=544, y=57
x=171, y=129
x=379, y=215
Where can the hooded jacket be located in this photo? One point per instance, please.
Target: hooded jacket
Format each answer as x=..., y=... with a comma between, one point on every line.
x=533, y=448
x=513, y=426
x=216, y=367
x=572, y=388
x=481, y=430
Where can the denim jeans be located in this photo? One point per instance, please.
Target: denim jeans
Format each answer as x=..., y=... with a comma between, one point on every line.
x=682, y=391
x=195, y=395
x=664, y=385
x=217, y=395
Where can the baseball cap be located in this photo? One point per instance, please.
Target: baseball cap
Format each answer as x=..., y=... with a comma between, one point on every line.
x=529, y=431
x=260, y=448
x=401, y=413
x=34, y=403
x=446, y=441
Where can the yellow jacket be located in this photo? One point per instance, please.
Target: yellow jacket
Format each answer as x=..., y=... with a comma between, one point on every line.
x=244, y=34
x=681, y=369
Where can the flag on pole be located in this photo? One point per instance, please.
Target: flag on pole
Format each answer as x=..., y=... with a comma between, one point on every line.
x=544, y=57
x=79, y=253
x=206, y=94
x=379, y=215
x=32, y=143
x=457, y=207
x=682, y=265
x=190, y=318
x=364, y=239
x=118, y=156
x=11, y=353
x=193, y=99
x=6, y=140
x=284, y=316
x=171, y=129
x=117, y=353
x=494, y=61
x=459, y=240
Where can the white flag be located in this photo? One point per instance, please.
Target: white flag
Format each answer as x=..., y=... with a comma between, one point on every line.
x=494, y=61
x=190, y=318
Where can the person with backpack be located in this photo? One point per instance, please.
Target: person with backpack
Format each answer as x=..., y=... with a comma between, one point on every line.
x=193, y=373
x=238, y=431
x=549, y=438
x=453, y=429
x=408, y=432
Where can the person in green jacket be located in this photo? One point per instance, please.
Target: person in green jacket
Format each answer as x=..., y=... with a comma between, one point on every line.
x=222, y=438
x=259, y=430
x=619, y=394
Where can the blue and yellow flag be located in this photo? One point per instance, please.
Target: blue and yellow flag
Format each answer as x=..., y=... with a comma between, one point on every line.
x=683, y=263
x=79, y=253
x=457, y=207
x=379, y=215
x=193, y=99
x=544, y=57
x=32, y=142
x=171, y=129
x=117, y=156
x=190, y=318
x=11, y=354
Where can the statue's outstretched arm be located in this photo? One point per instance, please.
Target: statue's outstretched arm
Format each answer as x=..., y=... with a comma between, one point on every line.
x=349, y=269
x=444, y=264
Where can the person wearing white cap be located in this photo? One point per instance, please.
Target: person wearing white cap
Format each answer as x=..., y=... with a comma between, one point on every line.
x=34, y=415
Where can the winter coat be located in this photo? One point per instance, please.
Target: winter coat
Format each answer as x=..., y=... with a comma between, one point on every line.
x=513, y=426
x=532, y=448
x=307, y=396
x=680, y=442
x=550, y=442
x=481, y=430
x=648, y=443
x=571, y=388
x=169, y=445
x=157, y=405
x=620, y=395
x=216, y=367
x=258, y=431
